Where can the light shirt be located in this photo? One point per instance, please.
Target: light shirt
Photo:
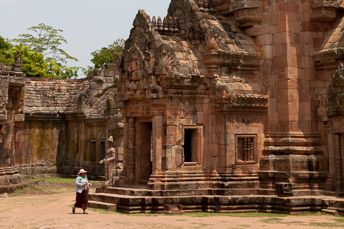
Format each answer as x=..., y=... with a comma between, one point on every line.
x=81, y=183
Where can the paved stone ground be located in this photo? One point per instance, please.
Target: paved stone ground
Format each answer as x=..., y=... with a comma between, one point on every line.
x=54, y=211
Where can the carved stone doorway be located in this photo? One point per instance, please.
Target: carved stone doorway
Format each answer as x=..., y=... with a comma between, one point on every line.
x=143, y=165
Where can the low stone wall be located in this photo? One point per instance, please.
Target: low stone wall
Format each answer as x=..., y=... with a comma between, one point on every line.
x=10, y=179
x=37, y=169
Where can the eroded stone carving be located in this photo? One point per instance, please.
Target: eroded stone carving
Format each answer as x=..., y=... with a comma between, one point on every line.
x=326, y=3
x=336, y=98
x=108, y=161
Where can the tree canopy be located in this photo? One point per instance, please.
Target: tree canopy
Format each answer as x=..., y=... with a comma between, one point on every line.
x=109, y=54
x=43, y=56
x=106, y=55
x=33, y=62
x=43, y=44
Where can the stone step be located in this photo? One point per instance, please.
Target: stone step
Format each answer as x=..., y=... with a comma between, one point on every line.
x=102, y=205
x=181, y=192
x=103, y=197
x=218, y=203
x=330, y=211
x=129, y=191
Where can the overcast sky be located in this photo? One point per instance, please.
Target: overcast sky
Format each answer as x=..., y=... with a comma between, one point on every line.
x=87, y=24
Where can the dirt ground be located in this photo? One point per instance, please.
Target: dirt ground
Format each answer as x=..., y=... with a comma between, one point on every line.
x=54, y=211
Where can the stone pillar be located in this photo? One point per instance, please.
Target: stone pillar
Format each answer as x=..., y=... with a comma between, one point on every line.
x=341, y=154
x=157, y=143
x=213, y=144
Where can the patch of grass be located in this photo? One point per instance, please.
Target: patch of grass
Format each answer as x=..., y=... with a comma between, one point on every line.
x=340, y=219
x=271, y=220
x=246, y=214
x=102, y=211
x=46, y=185
x=308, y=213
x=53, y=180
x=326, y=224
x=181, y=220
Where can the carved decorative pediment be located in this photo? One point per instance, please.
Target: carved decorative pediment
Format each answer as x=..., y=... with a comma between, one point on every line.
x=326, y=3
x=325, y=10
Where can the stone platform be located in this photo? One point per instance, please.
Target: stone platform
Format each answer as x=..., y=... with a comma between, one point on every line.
x=134, y=200
x=10, y=179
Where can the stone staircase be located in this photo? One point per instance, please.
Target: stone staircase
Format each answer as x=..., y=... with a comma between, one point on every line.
x=141, y=200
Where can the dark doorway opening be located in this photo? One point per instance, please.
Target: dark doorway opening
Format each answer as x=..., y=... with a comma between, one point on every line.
x=144, y=151
x=93, y=152
x=101, y=151
x=190, y=145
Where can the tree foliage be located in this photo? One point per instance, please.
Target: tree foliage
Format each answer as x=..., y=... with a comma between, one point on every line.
x=47, y=40
x=109, y=54
x=106, y=55
x=33, y=62
x=4, y=44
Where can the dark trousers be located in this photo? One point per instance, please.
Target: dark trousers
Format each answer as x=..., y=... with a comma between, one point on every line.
x=81, y=200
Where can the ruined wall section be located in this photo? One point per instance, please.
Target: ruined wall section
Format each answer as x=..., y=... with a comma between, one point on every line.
x=67, y=124
x=11, y=119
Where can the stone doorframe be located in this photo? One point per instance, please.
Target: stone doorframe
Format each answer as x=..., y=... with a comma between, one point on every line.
x=338, y=139
x=143, y=150
x=197, y=144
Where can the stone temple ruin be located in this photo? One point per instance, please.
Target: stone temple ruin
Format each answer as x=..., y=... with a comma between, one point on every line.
x=223, y=105
x=54, y=126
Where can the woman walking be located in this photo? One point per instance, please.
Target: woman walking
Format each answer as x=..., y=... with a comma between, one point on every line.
x=82, y=187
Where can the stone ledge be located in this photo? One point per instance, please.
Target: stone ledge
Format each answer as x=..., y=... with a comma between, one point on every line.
x=220, y=203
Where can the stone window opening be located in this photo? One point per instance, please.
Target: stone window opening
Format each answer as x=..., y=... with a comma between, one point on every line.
x=246, y=149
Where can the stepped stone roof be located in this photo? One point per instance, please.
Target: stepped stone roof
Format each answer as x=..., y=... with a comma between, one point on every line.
x=87, y=96
x=53, y=96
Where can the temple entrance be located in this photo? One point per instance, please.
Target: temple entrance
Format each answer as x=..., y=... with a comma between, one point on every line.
x=143, y=152
x=191, y=145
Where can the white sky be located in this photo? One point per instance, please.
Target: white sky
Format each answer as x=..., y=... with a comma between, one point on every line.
x=87, y=24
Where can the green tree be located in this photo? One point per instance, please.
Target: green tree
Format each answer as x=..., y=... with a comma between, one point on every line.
x=106, y=55
x=4, y=45
x=33, y=62
x=48, y=40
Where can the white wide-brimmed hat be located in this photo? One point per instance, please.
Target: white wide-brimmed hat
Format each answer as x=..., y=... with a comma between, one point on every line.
x=110, y=139
x=82, y=171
